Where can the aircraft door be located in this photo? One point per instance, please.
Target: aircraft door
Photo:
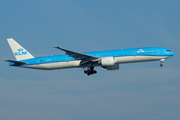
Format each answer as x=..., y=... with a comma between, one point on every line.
x=134, y=53
x=157, y=52
x=134, y=56
x=67, y=58
x=38, y=61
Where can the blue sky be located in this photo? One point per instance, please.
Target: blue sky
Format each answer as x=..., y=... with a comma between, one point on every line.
x=136, y=91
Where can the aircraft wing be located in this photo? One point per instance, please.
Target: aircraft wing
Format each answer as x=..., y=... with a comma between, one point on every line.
x=79, y=56
x=13, y=61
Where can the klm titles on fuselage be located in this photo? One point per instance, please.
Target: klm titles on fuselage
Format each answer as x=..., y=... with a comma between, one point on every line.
x=141, y=51
x=20, y=52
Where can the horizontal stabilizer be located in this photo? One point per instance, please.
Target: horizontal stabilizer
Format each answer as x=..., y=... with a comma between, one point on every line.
x=17, y=62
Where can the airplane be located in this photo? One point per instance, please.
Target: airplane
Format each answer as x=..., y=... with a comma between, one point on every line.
x=109, y=60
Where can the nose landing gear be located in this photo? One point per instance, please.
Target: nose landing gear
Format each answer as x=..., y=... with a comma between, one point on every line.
x=161, y=65
x=161, y=62
x=90, y=71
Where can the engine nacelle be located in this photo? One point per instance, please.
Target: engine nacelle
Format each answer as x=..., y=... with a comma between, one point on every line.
x=113, y=67
x=107, y=61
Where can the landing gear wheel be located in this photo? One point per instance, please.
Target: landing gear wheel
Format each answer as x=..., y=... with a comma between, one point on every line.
x=90, y=71
x=161, y=65
x=85, y=71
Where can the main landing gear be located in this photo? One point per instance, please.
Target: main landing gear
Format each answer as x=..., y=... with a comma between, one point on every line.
x=90, y=71
x=161, y=62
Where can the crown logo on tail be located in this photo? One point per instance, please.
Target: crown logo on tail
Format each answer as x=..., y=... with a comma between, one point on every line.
x=20, y=52
x=20, y=49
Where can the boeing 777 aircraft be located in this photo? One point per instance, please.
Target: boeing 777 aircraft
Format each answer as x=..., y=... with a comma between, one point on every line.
x=109, y=60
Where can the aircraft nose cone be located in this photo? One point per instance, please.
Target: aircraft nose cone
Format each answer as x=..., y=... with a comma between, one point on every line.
x=172, y=53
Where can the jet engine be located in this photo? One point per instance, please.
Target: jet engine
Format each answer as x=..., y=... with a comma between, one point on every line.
x=107, y=61
x=113, y=67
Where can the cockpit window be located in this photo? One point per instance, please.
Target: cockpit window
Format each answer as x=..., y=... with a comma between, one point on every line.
x=168, y=50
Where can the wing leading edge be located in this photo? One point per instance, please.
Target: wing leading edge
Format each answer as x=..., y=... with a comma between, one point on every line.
x=79, y=56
